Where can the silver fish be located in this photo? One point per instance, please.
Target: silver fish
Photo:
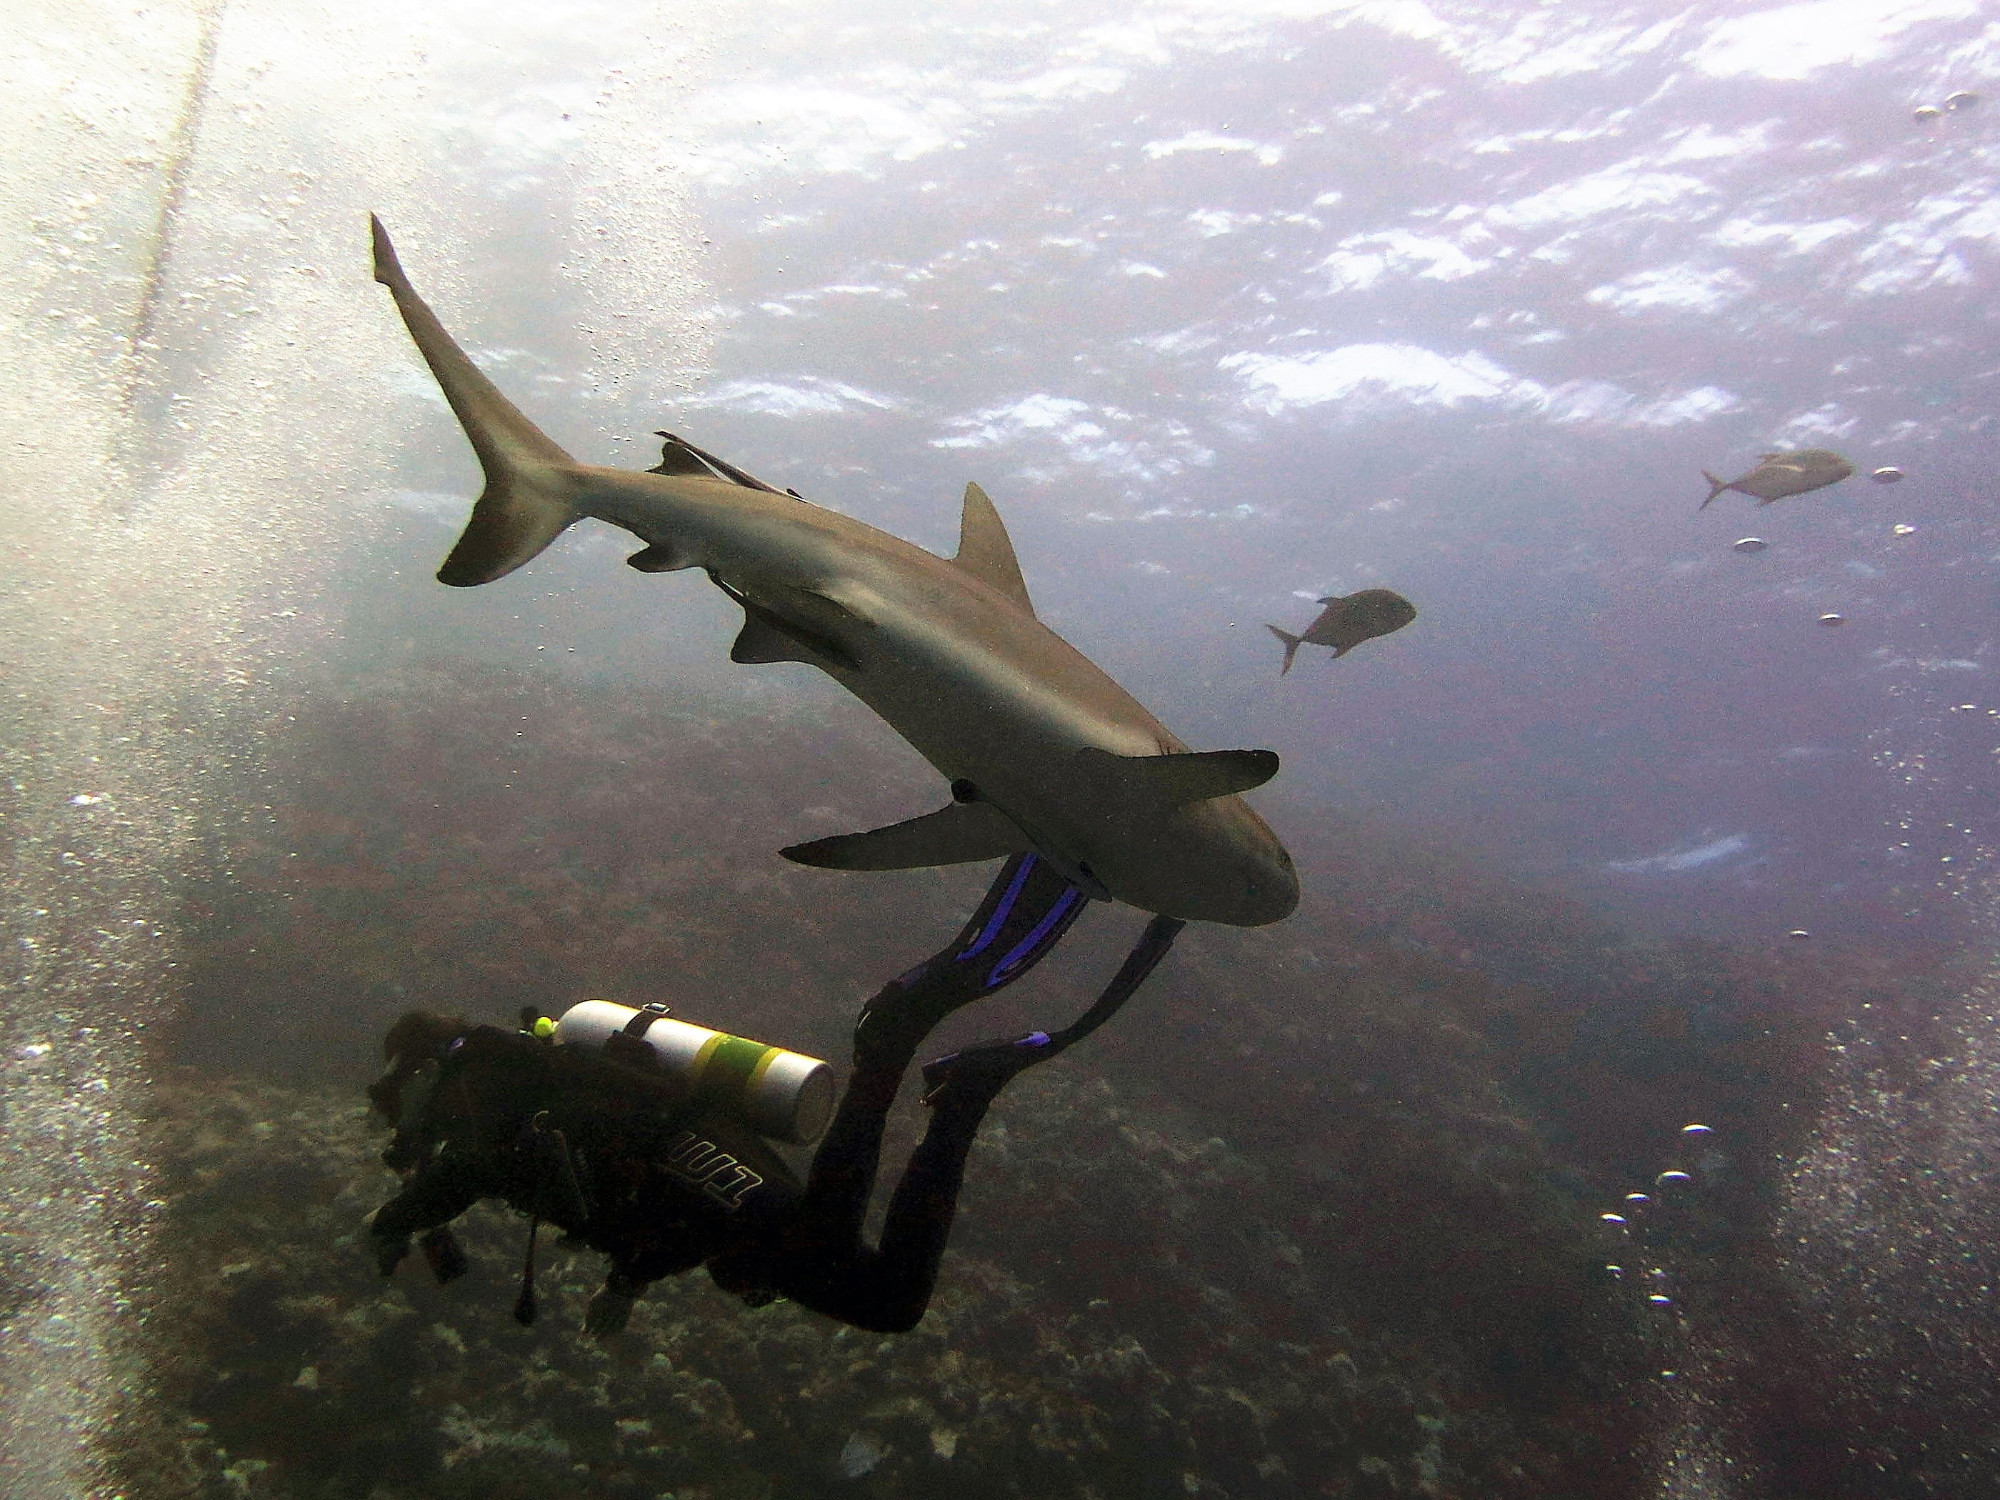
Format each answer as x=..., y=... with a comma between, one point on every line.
x=1348, y=621
x=1778, y=475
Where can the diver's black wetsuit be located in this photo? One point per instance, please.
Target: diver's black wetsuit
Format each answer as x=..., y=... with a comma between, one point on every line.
x=661, y=1183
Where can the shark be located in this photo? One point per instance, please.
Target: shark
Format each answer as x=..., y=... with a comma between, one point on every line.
x=1041, y=750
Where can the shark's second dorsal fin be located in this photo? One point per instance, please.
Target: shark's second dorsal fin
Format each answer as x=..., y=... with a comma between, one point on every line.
x=677, y=458
x=956, y=834
x=1177, y=780
x=985, y=552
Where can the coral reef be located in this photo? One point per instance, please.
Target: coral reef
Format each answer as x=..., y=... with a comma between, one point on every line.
x=1134, y=1313
x=1318, y=1216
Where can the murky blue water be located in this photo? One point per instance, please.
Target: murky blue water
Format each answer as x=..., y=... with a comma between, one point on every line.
x=1229, y=308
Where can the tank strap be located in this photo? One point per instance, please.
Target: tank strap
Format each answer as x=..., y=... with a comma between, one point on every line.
x=642, y=1021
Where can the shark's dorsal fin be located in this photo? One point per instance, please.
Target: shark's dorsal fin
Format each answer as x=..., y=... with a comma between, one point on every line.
x=954, y=835
x=985, y=552
x=1176, y=780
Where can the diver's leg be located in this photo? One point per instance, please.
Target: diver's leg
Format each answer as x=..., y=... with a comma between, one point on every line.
x=1025, y=911
x=887, y=1289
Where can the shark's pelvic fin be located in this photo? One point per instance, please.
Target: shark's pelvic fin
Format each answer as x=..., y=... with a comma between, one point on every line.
x=953, y=835
x=985, y=552
x=768, y=636
x=525, y=505
x=1176, y=780
x=657, y=558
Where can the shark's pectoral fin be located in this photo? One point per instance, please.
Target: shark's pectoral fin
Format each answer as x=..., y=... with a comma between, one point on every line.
x=954, y=835
x=985, y=552
x=1176, y=780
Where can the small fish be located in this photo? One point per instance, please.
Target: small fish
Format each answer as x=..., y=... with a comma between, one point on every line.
x=1924, y=114
x=1348, y=621
x=1888, y=475
x=1780, y=474
x=1963, y=99
x=1749, y=544
x=1831, y=620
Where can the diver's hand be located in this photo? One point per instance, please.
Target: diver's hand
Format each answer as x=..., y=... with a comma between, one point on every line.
x=608, y=1312
x=389, y=1248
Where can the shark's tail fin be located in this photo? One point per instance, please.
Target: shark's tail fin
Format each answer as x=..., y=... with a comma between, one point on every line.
x=1292, y=643
x=529, y=480
x=1715, y=487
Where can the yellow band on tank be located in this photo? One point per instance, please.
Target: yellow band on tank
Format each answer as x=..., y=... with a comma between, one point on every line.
x=726, y=1065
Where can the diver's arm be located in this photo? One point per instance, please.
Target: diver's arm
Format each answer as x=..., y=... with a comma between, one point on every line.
x=435, y=1194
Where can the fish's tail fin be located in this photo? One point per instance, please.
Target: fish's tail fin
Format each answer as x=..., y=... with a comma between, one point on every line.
x=1715, y=487
x=1292, y=643
x=530, y=481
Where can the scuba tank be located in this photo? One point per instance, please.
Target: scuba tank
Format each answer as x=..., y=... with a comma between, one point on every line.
x=779, y=1094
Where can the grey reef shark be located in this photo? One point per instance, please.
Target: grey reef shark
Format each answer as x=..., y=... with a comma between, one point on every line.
x=1042, y=750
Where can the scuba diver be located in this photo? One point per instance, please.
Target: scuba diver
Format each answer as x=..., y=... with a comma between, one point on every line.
x=658, y=1172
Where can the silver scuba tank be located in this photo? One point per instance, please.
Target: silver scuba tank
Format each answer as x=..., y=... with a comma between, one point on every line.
x=780, y=1094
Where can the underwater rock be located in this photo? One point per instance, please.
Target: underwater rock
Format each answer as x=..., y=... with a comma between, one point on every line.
x=861, y=1456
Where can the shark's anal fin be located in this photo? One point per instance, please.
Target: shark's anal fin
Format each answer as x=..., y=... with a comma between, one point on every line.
x=956, y=834
x=1176, y=780
x=985, y=552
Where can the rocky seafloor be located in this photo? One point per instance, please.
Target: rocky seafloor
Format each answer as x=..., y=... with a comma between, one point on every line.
x=1317, y=1216
x=1129, y=1312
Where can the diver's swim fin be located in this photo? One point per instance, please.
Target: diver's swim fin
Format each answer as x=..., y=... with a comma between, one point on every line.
x=980, y=1071
x=1025, y=913
x=975, y=1074
x=956, y=834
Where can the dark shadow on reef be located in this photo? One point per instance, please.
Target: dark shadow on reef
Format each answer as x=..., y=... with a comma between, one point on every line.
x=1317, y=1216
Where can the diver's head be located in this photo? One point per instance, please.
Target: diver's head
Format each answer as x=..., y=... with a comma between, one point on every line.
x=418, y=1038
